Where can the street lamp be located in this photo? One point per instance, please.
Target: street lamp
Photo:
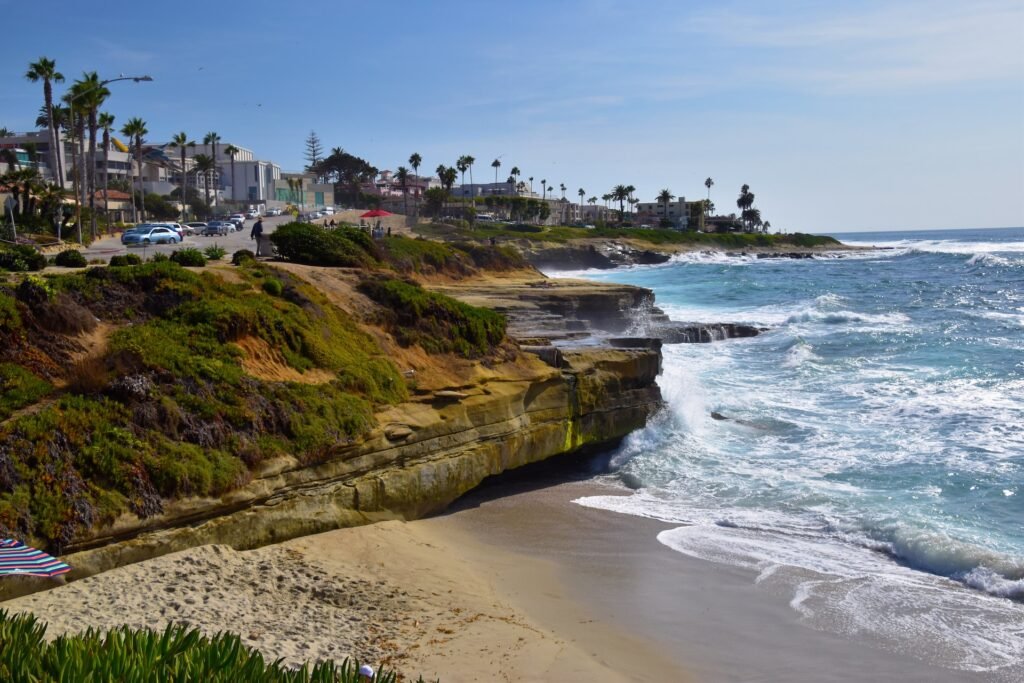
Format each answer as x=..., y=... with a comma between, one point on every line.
x=79, y=200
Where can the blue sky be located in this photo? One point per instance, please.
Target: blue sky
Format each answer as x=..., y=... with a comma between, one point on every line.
x=840, y=116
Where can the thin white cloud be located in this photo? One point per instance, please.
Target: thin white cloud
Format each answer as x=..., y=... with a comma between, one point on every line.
x=879, y=47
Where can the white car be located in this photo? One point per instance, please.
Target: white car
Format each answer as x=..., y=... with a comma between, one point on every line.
x=327, y=210
x=238, y=219
x=252, y=213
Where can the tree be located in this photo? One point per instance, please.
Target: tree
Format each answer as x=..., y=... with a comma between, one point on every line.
x=531, y=184
x=561, y=186
x=213, y=139
x=135, y=130
x=45, y=70
x=402, y=176
x=470, y=160
x=231, y=151
x=630, y=190
x=496, y=164
x=462, y=163
x=708, y=183
x=90, y=97
x=106, y=123
x=415, y=160
x=665, y=197
x=752, y=217
x=544, y=189
x=745, y=201
x=767, y=226
x=314, y=150
x=515, y=173
x=205, y=165
x=620, y=193
x=582, y=193
x=181, y=141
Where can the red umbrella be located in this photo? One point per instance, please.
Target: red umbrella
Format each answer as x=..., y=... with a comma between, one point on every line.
x=376, y=213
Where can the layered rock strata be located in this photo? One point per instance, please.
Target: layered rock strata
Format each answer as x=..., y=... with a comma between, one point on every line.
x=426, y=452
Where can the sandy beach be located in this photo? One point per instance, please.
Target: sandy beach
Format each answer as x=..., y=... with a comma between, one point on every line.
x=515, y=584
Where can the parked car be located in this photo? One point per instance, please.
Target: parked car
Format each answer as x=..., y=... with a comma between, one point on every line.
x=158, y=234
x=218, y=228
x=328, y=210
x=180, y=229
x=197, y=227
x=238, y=219
x=252, y=213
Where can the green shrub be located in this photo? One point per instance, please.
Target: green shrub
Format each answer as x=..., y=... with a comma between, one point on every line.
x=189, y=256
x=70, y=258
x=424, y=256
x=178, y=653
x=127, y=260
x=19, y=388
x=20, y=258
x=214, y=252
x=313, y=245
x=434, y=321
x=273, y=287
x=158, y=257
x=242, y=256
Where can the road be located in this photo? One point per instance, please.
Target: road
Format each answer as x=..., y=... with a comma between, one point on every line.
x=106, y=247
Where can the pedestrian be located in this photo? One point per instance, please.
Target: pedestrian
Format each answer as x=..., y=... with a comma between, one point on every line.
x=365, y=673
x=389, y=231
x=257, y=234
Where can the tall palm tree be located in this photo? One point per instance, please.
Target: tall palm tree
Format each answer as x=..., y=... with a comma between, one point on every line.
x=470, y=160
x=45, y=70
x=135, y=130
x=665, y=197
x=531, y=184
x=620, y=193
x=767, y=226
x=91, y=99
x=544, y=189
x=205, y=165
x=561, y=186
x=496, y=164
x=106, y=122
x=212, y=139
x=462, y=163
x=402, y=176
x=181, y=141
x=745, y=201
x=515, y=173
x=415, y=160
x=582, y=193
x=630, y=189
x=708, y=183
x=231, y=151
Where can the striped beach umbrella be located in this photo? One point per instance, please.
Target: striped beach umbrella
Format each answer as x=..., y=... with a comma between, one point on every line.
x=16, y=558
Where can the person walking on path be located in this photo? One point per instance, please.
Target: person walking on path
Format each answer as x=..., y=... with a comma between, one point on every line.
x=257, y=234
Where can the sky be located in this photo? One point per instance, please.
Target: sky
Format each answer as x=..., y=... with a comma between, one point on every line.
x=841, y=116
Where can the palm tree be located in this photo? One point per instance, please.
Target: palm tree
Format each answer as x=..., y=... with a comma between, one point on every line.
x=402, y=176
x=630, y=190
x=415, y=160
x=212, y=139
x=582, y=193
x=620, y=193
x=231, y=151
x=45, y=70
x=531, y=184
x=106, y=122
x=496, y=164
x=181, y=141
x=665, y=197
x=562, y=187
x=205, y=165
x=708, y=183
x=544, y=188
x=515, y=173
x=469, y=164
x=745, y=201
x=135, y=130
x=93, y=93
x=767, y=226
x=462, y=163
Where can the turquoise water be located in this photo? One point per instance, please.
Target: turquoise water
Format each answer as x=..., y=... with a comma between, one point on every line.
x=873, y=468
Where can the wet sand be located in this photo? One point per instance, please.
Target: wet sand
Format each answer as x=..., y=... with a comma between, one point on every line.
x=514, y=584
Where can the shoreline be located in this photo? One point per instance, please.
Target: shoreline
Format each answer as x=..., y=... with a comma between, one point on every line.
x=514, y=583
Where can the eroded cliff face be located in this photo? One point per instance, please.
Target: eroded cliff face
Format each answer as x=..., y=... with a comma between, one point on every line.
x=424, y=455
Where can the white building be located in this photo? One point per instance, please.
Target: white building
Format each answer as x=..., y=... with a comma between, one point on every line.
x=676, y=212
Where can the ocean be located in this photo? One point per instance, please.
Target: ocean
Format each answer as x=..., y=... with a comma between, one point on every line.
x=871, y=466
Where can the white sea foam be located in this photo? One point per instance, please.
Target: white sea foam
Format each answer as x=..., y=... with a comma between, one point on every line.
x=945, y=246
x=837, y=588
